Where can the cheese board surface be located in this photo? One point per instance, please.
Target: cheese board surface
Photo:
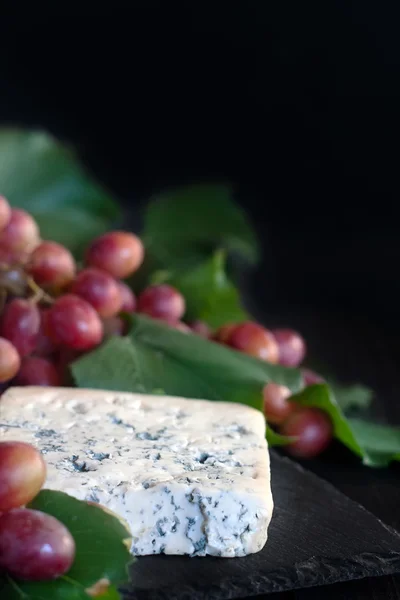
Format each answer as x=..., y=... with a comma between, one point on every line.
x=317, y=536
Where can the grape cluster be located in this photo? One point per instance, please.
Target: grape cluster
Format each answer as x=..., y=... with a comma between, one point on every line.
x=53, y=312
x=34, y=546
x=311, y=427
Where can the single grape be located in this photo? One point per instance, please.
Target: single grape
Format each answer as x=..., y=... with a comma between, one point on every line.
x=51, y=265
x=5, y=213
x=162, y=302
x=10, y=258
x=313, y=430
x=20, y=323
x=277, y=408
x=36, y=370
x=44, y=345
x=128, y=298
x=22, y=474
x=21, y=232
x=113, y=326
x=255, y=340
x=201, y=328
x=34, y=546
x=6, y=256
x=224, y=333
x=73, y=322
x=292, y=347
x=118, y=252
x=310, y=378
x=99, y=289
x=9, y=360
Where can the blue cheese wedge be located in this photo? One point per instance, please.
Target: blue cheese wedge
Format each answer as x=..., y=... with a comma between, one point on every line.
x=188, y=476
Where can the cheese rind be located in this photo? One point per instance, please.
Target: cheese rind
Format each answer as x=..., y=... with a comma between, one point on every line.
x=189, y=476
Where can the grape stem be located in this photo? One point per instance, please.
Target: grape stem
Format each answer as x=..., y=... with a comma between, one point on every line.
x=14, y=281
x=39, y=295
x=3, y=299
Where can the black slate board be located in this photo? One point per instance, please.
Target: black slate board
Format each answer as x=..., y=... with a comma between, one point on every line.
x=317, y=536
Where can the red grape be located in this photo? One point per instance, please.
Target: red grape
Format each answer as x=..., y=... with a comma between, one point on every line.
x=20, y=324
x=44, y=345
x=9, y=360
x=201, y=328
x=117, y=252
x=52, y=265
x=34, y=546
x=292, y=347
x=6, y=256
x=310, y=378
x=5, y=213
x=73, y=322
x=255, y=340
x=21, y=232
x=114, y=326
x=313, y=430
x=22, y=474
x=276, y=405
x=10, y=257
x=128, y=298
x=99, y=289
x=162, y=302
x=36, y=370
x=224, y=333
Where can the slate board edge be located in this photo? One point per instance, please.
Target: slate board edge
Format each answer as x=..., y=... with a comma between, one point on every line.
x=306, y=574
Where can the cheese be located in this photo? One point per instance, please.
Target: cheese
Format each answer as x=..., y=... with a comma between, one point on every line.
x=189, y=476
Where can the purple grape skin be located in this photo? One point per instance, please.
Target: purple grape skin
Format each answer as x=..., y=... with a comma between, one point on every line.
x=34, y=546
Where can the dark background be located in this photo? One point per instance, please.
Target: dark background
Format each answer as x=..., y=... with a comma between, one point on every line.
x=295, y=103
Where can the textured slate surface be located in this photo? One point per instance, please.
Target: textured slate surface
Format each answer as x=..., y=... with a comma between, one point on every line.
x=318, y=536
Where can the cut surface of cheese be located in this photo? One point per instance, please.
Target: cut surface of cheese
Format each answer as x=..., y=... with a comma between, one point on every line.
x=188, y=476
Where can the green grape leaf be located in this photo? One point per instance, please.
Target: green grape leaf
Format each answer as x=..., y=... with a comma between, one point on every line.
x=156, y=357
x=351, y=397
x=184, y=226
x=40, y=175
x=115, y=365
x=380, y=442
x=276, y=439
x=210, y=295
x=101, y=553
